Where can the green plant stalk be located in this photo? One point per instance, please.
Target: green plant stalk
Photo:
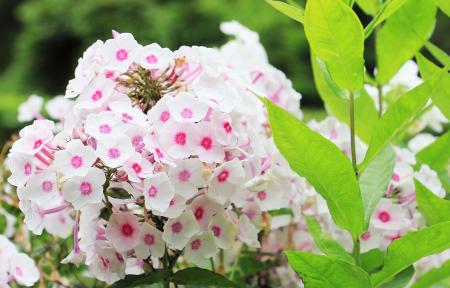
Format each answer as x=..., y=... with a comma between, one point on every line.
x=351, y=102
x=357, y=252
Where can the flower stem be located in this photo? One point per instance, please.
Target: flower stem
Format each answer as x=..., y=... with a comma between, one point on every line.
x=352, y=130
x=357, y=252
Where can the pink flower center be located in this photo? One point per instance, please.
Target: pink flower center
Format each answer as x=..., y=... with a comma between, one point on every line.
x=365, y=235
x=223, y=176
x=136, y=140
x=76, y=161
x=180, y=138
x=152, y=191
x=195, y=245
x=149, y=239
x=227, y=127
x=85, y=188
x=113, y=153
x=137, y=168
x=172, y=202
x=105, y=262
x=165, y=115
x=216, y=230
x=199, y=213
x=19, y=271
x=37, y=143
x=97, y=95
x=184, y=176
x=159, y=153
x=262, y=195
x=186, y=113
x=395, y=177
x=121, y=55
x=177, y=227
x=384, y=216
x=47, y=186
x=127, y=230
x=27, y=169
x=126, y=117
x=105, y=129
x=206, y=143
x=151, y=59
x=250, y=213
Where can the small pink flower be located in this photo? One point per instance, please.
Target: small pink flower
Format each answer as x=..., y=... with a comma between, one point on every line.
x=123, y=231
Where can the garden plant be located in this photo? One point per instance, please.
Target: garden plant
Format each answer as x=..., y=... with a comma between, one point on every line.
x=195, y=168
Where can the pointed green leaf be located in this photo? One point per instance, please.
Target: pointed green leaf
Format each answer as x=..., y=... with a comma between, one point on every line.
x=326, y=244
x=434, y=277
x=138, y=280
x=369, y=6
x=319, y=271
x=441, y=94
x=426, y=67
x=335, y=34
x=444, y=5
x=438, y=53
x=410, y=248
x=375, y=179
x=366, y=116
x=399, y=116
x=387, y=9
x=201, y=277
x=401, y=279
x=434, y=209
x=372, y=260
x=323, y=164
x=292, y=11
x=437, y=154
x=403, y=34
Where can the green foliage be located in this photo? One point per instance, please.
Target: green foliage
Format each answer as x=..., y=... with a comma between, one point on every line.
x=137, y=280
x=372, y=260
x=403, y=34
x=322, y=164
x=434, y=209
x=3, y=223
x=398, y=117
x=401, y=279
x=326, y=244
x=292, y=11
x=444, y=5
x=201, y=277
x=411, y=247
x=387, y=9
x=336, y=36
x=437, y=154
x=366, y=115
x=434, y=277
x=375, y=179
x=319, y=271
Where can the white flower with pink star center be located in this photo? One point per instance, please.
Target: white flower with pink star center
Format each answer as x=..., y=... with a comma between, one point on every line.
x=187, y=177
x=75, y=159
x=22, y=168
x=205, y=145
x=96, y=94
x=81, y=191
x=151, y=242
x=30, y=109
x=185, y=107
x=137, y=168
x=154, y=57
x=120, y=52
x=103, y=124
x=158, y=191
x=176, y=138
x=271, y=197
x=123, y=231
x=203, y=209
x=223, y=230
x=23, y=269
x=389, y=216
x=200, y=248
x=225, y=179
x=114, y=150
x=42, y=187
x=33, y=138
x=159, y=114
x=178, y=231
x=128, y=113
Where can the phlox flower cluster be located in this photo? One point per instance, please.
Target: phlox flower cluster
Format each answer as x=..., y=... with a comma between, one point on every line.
x=156, y=154
x=16, y=266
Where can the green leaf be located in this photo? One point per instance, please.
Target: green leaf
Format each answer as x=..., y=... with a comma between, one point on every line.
x=441, y=94
x=426, y=67
x=435, y=276
x=282, y=211
x=200, y=276
x=399, y=116
x=366, y=116
x=438, y=53
x=369, y=6
x=326, y=244
x=323, y=164
x=386, y=10
x=292, y=11
x=318, y=271
x=401, y=279
x=403, y=34
x=375, y=179
x=136, y=280
x=410, y=248
x=372, y=260
x=336, y=36
x=444, y=5
x=330, y=82
x=3, y=223
x=434, y=209
x=436, y=155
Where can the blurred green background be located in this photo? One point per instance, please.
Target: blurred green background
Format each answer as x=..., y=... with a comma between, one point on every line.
x=41, y=40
